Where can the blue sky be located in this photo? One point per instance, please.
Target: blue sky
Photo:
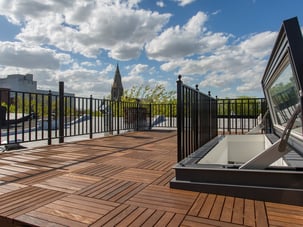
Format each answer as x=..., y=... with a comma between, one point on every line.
x=223, y=46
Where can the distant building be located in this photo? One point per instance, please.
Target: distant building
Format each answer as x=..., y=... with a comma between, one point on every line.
x=117, y=88
x=24, y=83
x=18, y=82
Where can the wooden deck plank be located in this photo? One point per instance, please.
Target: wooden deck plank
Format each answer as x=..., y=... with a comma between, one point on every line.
x=261, y=216
x=165, y=179
x=68, y=183
x=128, y=193
x=195, y=209
x=27, y=199
x=207, y=206
x=249, y=213
x=138, y=175
x=42, y=176
x=238, y=216
x=163, y=198
x=165, y=219
x=154, y=218
x=52, y=219
x=115, y=216
x=127, y=221
x=176, y=220
x=10, y=187
x=69, y=214
x=227, y=211
x=102, y=170
x=217, y=208
x=143, y=217
x=112, y=190
x=35, y=221
x=199, y=221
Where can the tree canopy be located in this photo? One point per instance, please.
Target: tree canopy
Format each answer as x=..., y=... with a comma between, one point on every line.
x=148, y=94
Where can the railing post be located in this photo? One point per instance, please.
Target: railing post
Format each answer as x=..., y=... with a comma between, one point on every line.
x=228, y=117
x=209, y=116
x=179, y=118
x=49, y=119
x=170, y=115
x=137, y=120
x=197, y=113
x=216, y=116
x=61, y=112
x=150, y=115
x=91, y=117
x=118, y=116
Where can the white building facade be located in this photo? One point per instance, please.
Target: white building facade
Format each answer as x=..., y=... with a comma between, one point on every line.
x=18, y=82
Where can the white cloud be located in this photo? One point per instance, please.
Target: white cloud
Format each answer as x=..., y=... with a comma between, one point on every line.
x=259, y=45
x=184, y=2
x=86, y=27
x=179, y=42
x=160, y=4
x=138, y=70
x=19, y=55
x=240, y=64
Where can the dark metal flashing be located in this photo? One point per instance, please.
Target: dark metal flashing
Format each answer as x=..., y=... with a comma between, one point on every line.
x=270, y=194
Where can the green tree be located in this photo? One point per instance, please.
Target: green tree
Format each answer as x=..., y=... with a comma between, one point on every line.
x=147, y=94
x=163, y=101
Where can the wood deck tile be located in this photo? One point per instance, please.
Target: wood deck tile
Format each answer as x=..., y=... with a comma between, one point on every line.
x=101, y=170
x=115, y=216
x=138, y=175
x=36, y=178
x=36, y=217
x=26, y=199
x=156, y=165
x=68, y=182
x=284, y=215
x=75, y=208
x=10, y=187
x=163, y=198
x=198, y=221
x=112, y=190
x=165, y=178
x=123, y=161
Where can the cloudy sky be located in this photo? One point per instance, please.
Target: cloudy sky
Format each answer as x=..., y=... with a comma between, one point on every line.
x=221, y=45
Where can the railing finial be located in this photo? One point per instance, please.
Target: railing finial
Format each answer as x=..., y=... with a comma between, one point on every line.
x=197, y=87
x=179, y=77
x=209, y=94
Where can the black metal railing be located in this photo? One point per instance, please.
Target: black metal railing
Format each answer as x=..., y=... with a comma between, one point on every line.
x=196, y=119
x=239, y=116
x=201, y=117
x=29, y=117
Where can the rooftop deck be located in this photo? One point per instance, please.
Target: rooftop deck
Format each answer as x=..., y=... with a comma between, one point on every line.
x=118, y=181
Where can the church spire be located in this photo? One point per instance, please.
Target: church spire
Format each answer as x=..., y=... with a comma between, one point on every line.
x=117, y=88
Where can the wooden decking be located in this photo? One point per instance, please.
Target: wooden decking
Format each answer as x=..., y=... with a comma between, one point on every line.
x=118, y=181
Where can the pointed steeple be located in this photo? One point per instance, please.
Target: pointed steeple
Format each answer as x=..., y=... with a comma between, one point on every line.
x=117, y=88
